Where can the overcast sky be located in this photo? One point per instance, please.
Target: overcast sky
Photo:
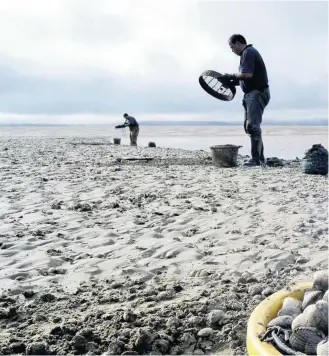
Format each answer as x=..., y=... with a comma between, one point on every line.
x=89, y=61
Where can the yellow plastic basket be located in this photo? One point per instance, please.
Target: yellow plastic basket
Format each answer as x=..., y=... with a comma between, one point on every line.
x=264, y=313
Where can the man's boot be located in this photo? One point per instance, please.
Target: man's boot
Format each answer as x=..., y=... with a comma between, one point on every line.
x=256, y=151
x=262, y=158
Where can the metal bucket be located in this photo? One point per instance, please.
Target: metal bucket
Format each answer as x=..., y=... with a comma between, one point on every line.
x=117, y=141
x=224, y=155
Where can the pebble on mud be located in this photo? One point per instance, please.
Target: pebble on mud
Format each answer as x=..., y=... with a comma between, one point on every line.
x=115, y=348
x=37, y=348
x=255, y=290
x=17, y=348
x=28, y=293
x=216, y=317
x=267, y=291
x=79, y=343
x=47, y=297
x=39, y=317
x=205, y=332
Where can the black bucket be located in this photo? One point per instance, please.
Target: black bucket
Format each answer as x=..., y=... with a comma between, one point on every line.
x=225, y=155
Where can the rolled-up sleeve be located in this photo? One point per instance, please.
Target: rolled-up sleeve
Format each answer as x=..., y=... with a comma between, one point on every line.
x=247, y=62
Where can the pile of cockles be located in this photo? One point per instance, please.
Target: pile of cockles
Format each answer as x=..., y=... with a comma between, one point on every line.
x=301, y=326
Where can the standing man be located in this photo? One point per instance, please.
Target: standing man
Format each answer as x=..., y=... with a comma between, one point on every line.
x=133, y=127
x=253, y=81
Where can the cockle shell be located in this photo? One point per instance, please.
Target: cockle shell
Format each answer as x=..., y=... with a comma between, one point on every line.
x=321, y=317
x=315, y=315
x=284, y=321
x=306, y=339
x=290, y=302
x=290, y=306
x=311, y=346
x=325, y=297
x=311, y=296
x=322, y=348
x=305, y=318
x=320, y=280
x=289, y=311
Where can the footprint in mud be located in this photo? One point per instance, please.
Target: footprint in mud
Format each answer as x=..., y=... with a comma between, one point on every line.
x=171, y=253
x=200, y=273
x=8, y=263
x=150, y=251
x=9, y=253
x=56, y=261
x=152, y=235
x=158, y=270
x=19, y=276
x=94, y=271
x=111, y=234
x=157, y=236
x=32, y=239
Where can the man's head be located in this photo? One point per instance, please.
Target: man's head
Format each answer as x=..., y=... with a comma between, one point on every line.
x=125, y=115
x=237, y=44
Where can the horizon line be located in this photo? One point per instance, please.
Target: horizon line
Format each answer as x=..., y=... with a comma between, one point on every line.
x=185, y=123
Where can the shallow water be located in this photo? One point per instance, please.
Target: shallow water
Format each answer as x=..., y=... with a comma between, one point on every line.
x=281, y=141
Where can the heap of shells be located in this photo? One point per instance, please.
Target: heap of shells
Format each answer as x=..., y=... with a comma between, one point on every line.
x=306, y=321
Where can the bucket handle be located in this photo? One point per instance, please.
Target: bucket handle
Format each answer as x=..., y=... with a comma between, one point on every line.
x=228, y=147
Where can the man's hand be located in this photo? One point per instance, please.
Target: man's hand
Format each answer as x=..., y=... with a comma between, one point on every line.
x=228, y=80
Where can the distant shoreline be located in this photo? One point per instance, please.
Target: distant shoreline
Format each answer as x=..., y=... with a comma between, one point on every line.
x=182, y=123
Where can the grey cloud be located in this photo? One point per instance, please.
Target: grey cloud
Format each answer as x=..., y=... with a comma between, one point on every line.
x=304, y=17
x=284, y=26
x=99, y=93
x=310, y=17
x=91, y=26
x=34, y=95
x=166, y=62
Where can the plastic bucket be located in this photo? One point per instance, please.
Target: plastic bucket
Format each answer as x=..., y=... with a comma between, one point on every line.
x=264, y=313
x=117, y=141
x=224, y=155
